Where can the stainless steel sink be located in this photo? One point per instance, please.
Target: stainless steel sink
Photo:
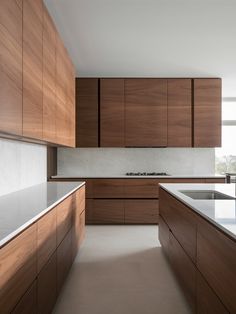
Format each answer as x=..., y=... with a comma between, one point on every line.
x=206, y=195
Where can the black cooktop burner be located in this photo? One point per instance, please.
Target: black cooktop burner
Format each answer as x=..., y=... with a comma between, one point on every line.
x=146, y=174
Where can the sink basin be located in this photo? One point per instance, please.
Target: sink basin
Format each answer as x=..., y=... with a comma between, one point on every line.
x=206, y=195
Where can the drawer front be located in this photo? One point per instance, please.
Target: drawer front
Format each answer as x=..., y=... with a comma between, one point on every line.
x=81, y=227
x=164, y=235
x=105, y=212
x=28, y=303
x=181, y=221
x=108, y=188
x=64, y=218
x=216, y=260
x=80, y=200
x=18, y=268
x=46, y=238
x=141, y=188
x=184, y=269
x=218, y=180
x=141, y=211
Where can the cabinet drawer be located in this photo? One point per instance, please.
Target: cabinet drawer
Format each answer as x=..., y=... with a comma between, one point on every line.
x=28, y=303
x=64, y=218
x=184, y=269
x=141, y=211
x=108, y=188
x=105, y=212
x=181, y=221
x=141, y=188
x=18, y=268
x=46, y=238
x=80, y=200
x=164, y=235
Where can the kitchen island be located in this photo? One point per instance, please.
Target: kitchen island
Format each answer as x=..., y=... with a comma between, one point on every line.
x=198, y=237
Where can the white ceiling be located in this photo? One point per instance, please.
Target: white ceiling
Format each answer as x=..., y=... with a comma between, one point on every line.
x=161, y=38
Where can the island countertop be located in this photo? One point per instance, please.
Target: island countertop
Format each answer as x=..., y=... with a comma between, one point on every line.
x=221, y=213
x=20, y=209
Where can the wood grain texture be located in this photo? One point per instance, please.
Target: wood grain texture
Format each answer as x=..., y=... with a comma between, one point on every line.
x=164, y=235
x=207, y=300
x=217, y=180
x=179, y=113
x=11, y=66
x=87, y=112
x=108, y=188
x=82, y=228
x=49, y=78
x=146, y=112
x=185, y=271
x=47, y=286
x=32, y=68
x=141, y=188
x=105, y=212
x=18, y=268
x=80, y=200
x=216, y=260
x=64, y=218
x=207, y=112
x=112, y=113
x=28, y=303
x=182, y=222
x=141, y=211
x=46, y=238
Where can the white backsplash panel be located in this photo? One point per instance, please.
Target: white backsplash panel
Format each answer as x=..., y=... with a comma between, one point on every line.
x=21, y=165
x=118, y=161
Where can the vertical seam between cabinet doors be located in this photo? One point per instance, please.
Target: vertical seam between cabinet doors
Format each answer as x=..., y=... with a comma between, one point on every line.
x=99, y=113
x=192, y=109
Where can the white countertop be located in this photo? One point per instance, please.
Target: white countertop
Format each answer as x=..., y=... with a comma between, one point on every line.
x=221, y=213
x=20, y=209
x=207, y=176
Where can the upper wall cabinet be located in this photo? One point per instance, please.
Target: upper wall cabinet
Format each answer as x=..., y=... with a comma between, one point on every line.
x=112, y=113
x=33, y=68
x=179, y=113
x=11, y=67
x=87, y=112
x=207, y=112
x=145, y=112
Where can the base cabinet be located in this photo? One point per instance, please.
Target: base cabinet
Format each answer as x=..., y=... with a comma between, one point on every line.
x=141, y=211
x=28, y=303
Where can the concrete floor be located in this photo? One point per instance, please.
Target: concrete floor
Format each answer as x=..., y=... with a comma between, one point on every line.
x=121, y=270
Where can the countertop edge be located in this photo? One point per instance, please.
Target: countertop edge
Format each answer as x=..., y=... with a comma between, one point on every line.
x=141, y=177
x=18, y=231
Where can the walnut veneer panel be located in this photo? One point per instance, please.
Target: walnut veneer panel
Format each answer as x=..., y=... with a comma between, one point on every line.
x=164, y=235
x=11, y=66
x=64, y=218
x=145, y=112
x=18, y=268
x=216, y=260
x=112, y=113
x=182, y=222
x=141, y=188
x=46, y=237
x=179, y=113
x=80, y=200
x=32, y=68
x=207, y=112
x=49, y=78
x=141, y=211
x=28, y=303
x=219, y=180
x=108, y=188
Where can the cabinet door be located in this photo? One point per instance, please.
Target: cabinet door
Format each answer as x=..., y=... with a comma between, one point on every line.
x=11, y=66
x=141, y=211
x=49, y=78
x=112, y=117
x=47, y=286
x=146, y=112
x=207, y=112
x=179, y=113
x=87, y=113
x=141, y=188
x=108, y=188
x=64, y=218
x=28, y=303
x=164, y=235
x=32, y=68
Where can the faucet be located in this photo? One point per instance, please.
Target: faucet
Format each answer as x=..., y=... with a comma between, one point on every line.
x=228, y=176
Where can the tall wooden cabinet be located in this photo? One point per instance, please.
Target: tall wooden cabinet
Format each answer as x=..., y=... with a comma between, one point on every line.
x=145, y=112
x=11, y=66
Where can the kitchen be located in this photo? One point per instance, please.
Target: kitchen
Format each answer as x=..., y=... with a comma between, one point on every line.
x=116, y=136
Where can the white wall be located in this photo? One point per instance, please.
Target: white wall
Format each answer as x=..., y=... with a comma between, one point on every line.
x=118, y=161
x=21, y=165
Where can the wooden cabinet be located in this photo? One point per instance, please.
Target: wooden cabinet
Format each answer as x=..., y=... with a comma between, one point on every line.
x=11, y=66
x=18, y=268
x=47, y=286
x=64, y=218
x=108, y=188
x=145, y=112
x=141, y=211
x=87, y=113
x=207, y=112
x=49, y=78
x=164, y=235
x=32, y=68
x=28, y=303
x=179, y=113
x=141, y=188
x=112, y=113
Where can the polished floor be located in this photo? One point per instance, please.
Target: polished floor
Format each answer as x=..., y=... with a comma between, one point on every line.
x=121, y=270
